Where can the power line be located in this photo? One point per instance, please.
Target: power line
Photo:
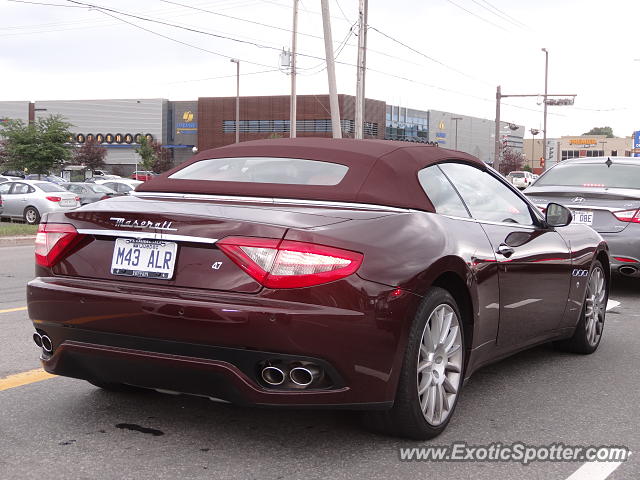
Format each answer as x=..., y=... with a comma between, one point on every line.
x=498, y=14
x=505, y=14
x=427, y=56
x=222, y=76
x=473, y=14
x=45, y=4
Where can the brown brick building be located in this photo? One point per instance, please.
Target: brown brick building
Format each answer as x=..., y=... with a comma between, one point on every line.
x=267, y=117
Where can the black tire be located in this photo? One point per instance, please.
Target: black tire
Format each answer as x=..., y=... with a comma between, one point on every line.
x=579, y=342
x=406, y=419
x=117, y=387
x=31, y=215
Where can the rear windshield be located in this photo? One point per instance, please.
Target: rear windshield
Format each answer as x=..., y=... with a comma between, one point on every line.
x=592, y=175
x=290, y=171
x=49, y=187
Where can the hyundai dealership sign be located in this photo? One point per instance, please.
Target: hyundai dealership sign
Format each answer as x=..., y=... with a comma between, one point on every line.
x=636, y=143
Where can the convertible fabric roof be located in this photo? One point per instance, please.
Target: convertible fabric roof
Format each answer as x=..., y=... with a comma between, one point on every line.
x=380, y=171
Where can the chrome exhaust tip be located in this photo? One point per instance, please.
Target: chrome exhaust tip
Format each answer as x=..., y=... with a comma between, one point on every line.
x=628, y=270
x=37, y=339
x=273, y=375
x=47, y=346
x=303, y=376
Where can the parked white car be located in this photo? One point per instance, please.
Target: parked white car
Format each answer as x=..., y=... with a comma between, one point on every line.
x=30, y=199
x=521, y=179
x=120, y=185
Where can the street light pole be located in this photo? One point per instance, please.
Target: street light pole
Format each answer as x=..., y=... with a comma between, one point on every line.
x=293, y=100
x=237, y=62
x=544, y=131
x=456, y=119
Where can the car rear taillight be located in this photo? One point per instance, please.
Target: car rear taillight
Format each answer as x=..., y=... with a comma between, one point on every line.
x=77, y=199
x=54, y=199
x=105, y=197
x=289, y=264
x=630, y=216
x=52, y=241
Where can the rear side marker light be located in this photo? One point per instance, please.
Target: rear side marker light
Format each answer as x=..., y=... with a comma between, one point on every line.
x=289, y=264
x=629, y=216
x=625, y=260
x=52, y=241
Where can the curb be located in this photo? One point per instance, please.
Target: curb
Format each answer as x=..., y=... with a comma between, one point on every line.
x=17, y=241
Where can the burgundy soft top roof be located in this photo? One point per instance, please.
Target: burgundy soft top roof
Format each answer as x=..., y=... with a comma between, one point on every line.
x=380, y=171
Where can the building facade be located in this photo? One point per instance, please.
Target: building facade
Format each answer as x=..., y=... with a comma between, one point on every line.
x=268, y=117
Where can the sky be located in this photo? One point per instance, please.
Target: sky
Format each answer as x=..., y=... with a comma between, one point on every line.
x=445, y=55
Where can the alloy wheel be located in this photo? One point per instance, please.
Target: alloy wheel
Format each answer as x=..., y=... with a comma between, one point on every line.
x=439, y=364
x=595, y=306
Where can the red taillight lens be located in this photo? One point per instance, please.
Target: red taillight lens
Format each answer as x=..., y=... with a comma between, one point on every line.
x=105, y=197
x=632, y=216
x=52, y=240
x=77, y=199
x=290, y=264
x=54, y=199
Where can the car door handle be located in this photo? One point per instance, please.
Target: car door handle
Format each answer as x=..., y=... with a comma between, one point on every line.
x=505, y=250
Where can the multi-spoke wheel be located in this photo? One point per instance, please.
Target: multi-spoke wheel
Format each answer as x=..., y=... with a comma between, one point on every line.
x=439, y=364
x=31, y=215
x=588, y=333
x=432, y=372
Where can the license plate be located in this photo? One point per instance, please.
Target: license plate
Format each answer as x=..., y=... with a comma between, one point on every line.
x=67, y=203
x=582, y=216
x=144, y=258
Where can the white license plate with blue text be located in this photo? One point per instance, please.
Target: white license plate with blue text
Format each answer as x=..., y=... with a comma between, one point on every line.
x=144, y=258
x=582, y=216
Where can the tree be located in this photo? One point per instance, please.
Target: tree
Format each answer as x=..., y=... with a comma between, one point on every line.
x=91, y=154
x=147, y=153
x=608, y=131
x=511, y=161
x=154, y=157
x=37, y=147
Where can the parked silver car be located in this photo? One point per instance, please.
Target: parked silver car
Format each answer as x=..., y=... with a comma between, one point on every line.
x=90, y=192
x=30, y=199
x=604, y=193
x=123, y=185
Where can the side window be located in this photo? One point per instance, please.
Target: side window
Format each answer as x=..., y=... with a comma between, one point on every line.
x=20, y=188
x=4, y=188
x=441, y=193
x=486, y=197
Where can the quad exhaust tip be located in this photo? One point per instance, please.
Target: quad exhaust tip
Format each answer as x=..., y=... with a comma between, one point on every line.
x=37, y=339
x=43, y=341
x=302, y=376
x=273, y=375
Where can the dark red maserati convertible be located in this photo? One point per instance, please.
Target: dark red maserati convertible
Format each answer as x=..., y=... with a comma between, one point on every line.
x=369, y=275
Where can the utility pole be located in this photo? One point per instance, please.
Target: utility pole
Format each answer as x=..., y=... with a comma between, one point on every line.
x=496, y=154
x=544, y=128
x=237, y=62
x=361, y=68
x=331, y=71
x=294, y=100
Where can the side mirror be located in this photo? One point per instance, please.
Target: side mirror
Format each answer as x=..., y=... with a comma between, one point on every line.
x=558, y=215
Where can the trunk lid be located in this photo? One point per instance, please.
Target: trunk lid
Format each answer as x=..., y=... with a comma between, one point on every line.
x=590, y=203
x=185, y=232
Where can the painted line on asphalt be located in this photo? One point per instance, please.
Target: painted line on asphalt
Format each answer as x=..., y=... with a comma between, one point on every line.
x=612, y=304
x=17, y=309
x=594, y=471
x=24, y=378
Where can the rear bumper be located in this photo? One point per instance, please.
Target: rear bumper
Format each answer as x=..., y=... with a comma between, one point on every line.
x=216, y=344
x=625, y=244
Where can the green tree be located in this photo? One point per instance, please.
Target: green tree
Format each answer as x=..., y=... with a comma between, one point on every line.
x=91, y=154
x=608, y=131
x=37, y=147
x=154, y=156
x=147, y=153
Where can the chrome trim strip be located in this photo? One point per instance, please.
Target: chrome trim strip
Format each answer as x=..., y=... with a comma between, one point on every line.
x=487, y=222
x=146, y=235
x=274, y=200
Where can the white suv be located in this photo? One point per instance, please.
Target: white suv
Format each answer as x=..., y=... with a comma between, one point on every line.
x=521, y=179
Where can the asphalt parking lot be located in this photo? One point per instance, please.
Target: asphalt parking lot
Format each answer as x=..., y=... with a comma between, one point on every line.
x=64, y=428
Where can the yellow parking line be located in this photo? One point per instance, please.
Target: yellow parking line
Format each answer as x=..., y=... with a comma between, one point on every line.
x=17, y=309
x=24, y=378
